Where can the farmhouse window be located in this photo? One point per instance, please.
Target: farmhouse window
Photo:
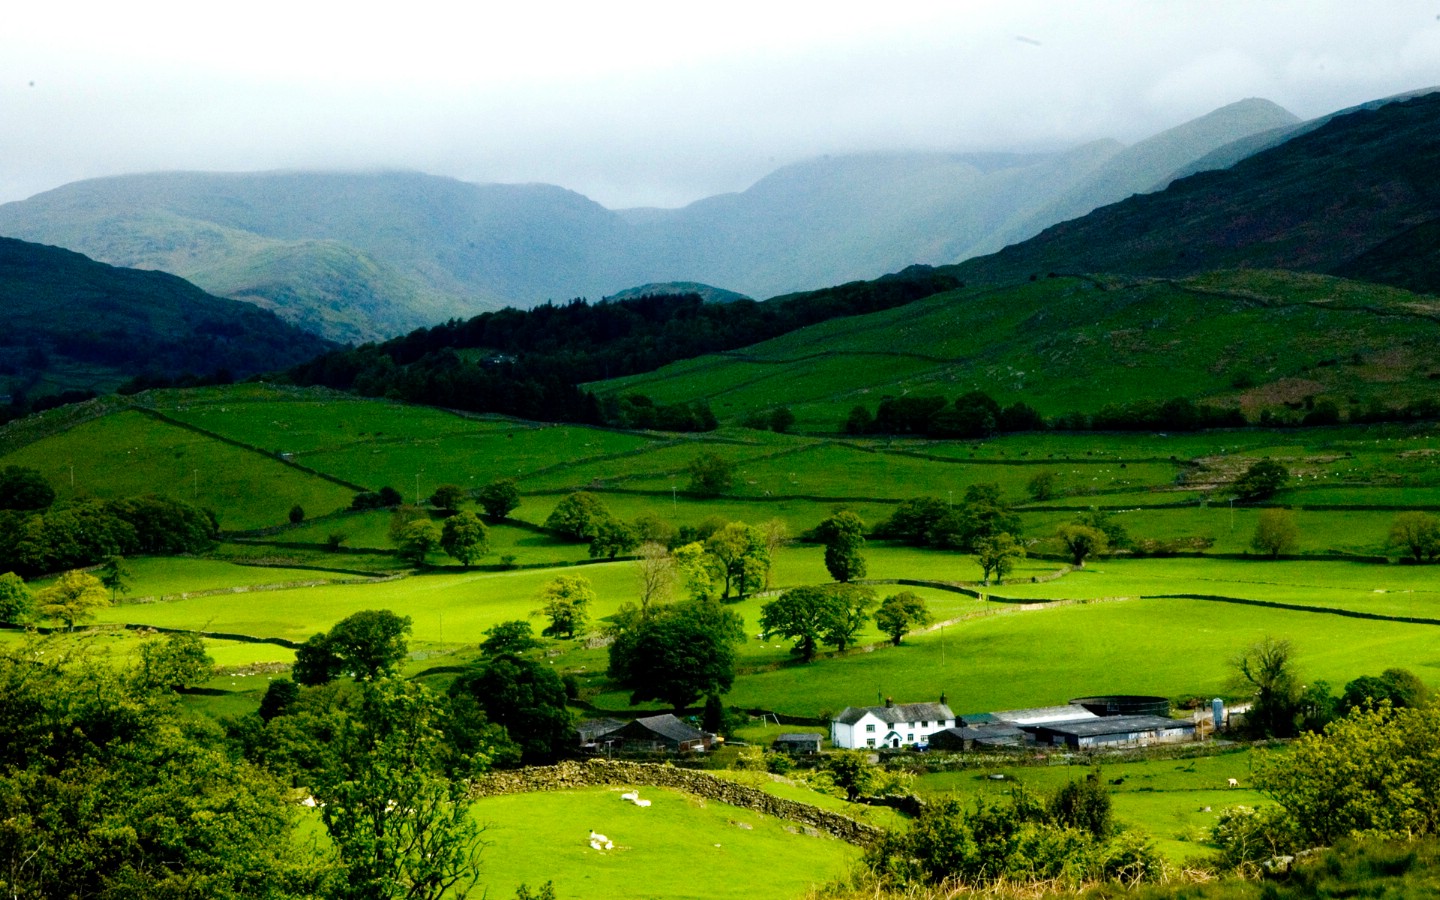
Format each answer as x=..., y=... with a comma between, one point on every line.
x=869, y=742
x=910, y=738
x=870, y=728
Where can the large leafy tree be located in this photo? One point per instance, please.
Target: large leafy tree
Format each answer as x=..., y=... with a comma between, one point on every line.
x=17, y=601
x=465, y=537
x=24, y=488
x=710, y=474
x=1276, y=532
x=1418, y=533
x=1082, y=542
x=1266, y=670
x=566, y=600
x=578, y=516
x=73, y=597
x=365, y=645
x=802, y=615
x=848, y=611
x=900, y=614
x=679, y=653
x=1261, y=480
x=524, y=697
x=843, y=535
x=998, y=554
x=417, y=540
x=108, y=789
x=398, y=825
x=173, y=662
x=499, y=498
x=741, y=558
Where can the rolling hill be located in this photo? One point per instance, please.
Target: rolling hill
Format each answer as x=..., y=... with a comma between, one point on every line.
x=1254, y=340
x=1358, y=196
x=73, y=323
x=359, y=257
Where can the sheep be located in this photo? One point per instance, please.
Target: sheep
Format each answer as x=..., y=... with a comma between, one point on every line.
x=641, y=803
x=1234, y=783
x=630, y=795
x=600, y=842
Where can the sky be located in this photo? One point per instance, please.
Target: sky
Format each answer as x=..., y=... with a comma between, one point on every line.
x=655, y=103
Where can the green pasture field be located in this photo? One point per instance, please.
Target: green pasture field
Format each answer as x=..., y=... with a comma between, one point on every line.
x=128, y=453
x=1362, y=532
x=680, y=847
x=1040, y=657
x=154, y=577
x=470, y=460
x=656, y=466
x=1166, y=798
x=307, y=423
x=1391, y=590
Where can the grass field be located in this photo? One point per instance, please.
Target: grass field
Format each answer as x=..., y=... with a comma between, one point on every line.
x=680, y=847
x=1176, y=801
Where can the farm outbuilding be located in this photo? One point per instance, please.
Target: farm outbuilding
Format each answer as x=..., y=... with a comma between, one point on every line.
x=652, y=734
x=979, y=736
x=798, y=743
x=1110, y=731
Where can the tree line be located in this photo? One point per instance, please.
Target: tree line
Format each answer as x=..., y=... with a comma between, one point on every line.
x=531, y=363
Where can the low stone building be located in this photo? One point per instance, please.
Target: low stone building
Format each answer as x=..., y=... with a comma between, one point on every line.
x=798, y=743
x=652, y=734
x=978, y=737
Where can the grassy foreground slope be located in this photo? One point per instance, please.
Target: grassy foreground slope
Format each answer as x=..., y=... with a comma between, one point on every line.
x=1252, y=339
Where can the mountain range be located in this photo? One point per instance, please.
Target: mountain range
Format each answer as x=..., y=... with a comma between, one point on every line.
x=357, y=257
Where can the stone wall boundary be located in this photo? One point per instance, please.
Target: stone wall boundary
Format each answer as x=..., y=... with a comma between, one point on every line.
x=572, y=775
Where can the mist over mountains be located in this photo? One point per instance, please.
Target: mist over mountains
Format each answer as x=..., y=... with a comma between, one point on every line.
x=357, y=257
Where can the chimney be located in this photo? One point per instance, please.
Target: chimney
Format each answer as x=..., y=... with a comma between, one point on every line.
x=943, y=701
x=889, y=703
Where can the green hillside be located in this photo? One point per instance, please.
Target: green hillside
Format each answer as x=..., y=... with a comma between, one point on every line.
x=1358, y=196
x=74, y=323
x=1252, y=340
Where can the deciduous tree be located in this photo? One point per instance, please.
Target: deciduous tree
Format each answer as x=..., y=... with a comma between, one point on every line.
x=998, y=554
x=17, y=601
x=742, y=562
x=566, y=600
x=447, y=498
x=499, y=498
x=418, y=540
x=465, y=537
x=73, y=597
x=1082, y=542
x=901, y=613
x=578, y=516
x=843, y=535
x=1261, y=480
x=1276, y=532
x=1418, y=533
x=679, y=653
x=1266, y=671
x=710, y=475
x=655, y=576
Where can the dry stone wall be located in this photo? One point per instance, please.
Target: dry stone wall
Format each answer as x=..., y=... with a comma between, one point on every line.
x=621, y=773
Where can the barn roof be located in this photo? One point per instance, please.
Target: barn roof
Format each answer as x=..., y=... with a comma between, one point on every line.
x=1118, y=725
x=1044, y=715
x=666, y=726
x=798, y=737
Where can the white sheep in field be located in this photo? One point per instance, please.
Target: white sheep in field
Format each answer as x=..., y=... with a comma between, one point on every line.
x=600, y=842
x=632, y=796
x=1234, y=782
x=641, y=803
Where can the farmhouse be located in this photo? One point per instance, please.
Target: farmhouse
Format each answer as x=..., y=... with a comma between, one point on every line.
x=1109, y=731
x=891, y=725
x=798, y=743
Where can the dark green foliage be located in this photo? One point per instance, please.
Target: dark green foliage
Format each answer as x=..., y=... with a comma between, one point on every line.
x=365, y=645
x=710, y=475
x=546, y=892
x=998, y=554
x=1084, y=805
x=740, y=558
x=931, y=522
x=524, y=697
x=109, y=791
x=417, y=540
x=1261, y=480
x=639, y=411
x=851, y=772
x=613, y=538
x=907, y=415
x=679, y=653
x=84, y=533
x=511, y=638
x=565, y=600
x=900, y=614
x=843, y=535
x=297, y=514
x=809, y=616
x=465, y=537
x=1418, y=533
x=537, y=358
x=174, y=662
x=1267, y=672
x=281, y=693
x=1401, y=688
x=116, y=575
x=973, y=415
x=578, y=516
x=24, y=488
x=447, y=498
x=1082, y=542
x=859, y=421
x=17, y=601
x=499, y=498
x=126, y=322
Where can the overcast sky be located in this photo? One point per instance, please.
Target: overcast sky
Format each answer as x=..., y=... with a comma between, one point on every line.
x=654, y=103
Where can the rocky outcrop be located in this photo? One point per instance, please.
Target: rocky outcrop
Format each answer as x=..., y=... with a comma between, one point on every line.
x=620, y=773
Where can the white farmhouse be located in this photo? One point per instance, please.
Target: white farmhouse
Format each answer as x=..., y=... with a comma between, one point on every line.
x=890, y=725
